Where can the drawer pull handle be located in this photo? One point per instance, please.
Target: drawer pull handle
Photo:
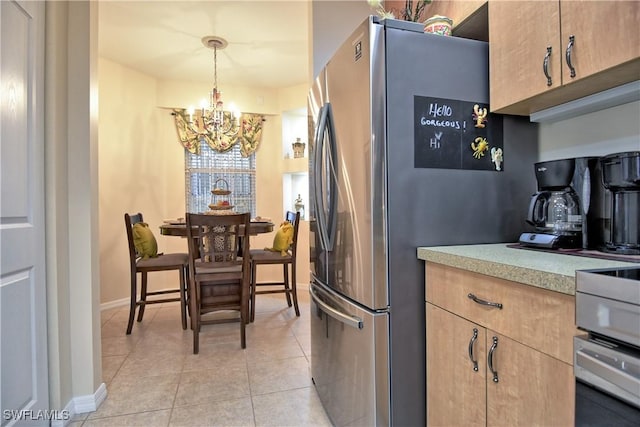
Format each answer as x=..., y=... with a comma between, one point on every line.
x=483, y=302
x=471, y=342
x=490, y=359
x=568, y=55
x=545, y=66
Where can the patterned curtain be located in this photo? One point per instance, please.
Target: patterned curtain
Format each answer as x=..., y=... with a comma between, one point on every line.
x=249, y=134
x=187, y=136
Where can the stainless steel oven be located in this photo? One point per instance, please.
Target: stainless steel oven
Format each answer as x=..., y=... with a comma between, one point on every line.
x=607, y=356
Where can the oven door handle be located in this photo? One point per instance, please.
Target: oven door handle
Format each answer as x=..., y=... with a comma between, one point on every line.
x=602, y=369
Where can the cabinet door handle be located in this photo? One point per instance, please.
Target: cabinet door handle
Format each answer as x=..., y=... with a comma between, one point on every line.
x=483, y=302
x=545, y=65
x=568, y=55
x=471, y=342
x=490, y=359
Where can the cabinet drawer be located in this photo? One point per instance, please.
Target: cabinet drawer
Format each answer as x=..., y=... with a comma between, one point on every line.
x=539, y=318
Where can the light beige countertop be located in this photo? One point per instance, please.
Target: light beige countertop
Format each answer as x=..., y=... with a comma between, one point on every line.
x=545, y=270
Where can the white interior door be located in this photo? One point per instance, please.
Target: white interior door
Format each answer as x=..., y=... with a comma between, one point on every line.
x=23, y=331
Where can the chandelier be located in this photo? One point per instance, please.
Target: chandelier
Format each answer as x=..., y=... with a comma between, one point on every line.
x=211, y=123
x=221, y=130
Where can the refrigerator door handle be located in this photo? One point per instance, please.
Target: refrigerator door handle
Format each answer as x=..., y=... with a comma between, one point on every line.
x=347, y=319
x=317, y=175
x=333, y=181
x=325, y=163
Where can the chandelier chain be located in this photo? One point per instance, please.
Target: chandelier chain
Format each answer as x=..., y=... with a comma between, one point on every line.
x=215, y=67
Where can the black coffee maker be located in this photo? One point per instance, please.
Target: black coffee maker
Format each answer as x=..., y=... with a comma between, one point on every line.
x=621, y=176
x=568, y=209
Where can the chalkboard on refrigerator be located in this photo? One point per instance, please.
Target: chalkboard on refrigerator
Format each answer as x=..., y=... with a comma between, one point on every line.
x=455, y=134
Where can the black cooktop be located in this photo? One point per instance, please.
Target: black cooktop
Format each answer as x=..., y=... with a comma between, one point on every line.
x=631, y=273
x=589, y=253
x=618, y=283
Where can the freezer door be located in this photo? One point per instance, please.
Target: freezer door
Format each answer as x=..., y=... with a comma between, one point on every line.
x=349, y=359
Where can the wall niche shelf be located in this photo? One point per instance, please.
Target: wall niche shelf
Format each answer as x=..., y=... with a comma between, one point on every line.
x=295, y=177
x=294, y=126
x=296, y=165
x=294, y=185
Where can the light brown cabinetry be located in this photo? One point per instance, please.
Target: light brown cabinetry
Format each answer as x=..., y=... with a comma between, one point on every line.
x=522, y=351
x=605, y=51
x=456, y=394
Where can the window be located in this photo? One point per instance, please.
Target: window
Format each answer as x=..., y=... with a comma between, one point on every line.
x=203, y=170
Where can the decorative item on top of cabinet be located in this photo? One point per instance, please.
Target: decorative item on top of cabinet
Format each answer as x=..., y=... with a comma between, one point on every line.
x=438, y=24
x=404, y=10
x=470, y=17
x=558, y=54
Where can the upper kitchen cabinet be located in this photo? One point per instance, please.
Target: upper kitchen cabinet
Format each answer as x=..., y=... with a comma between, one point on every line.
x=546, y=53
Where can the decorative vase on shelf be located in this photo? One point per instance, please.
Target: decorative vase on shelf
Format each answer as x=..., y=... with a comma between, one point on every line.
x=298, y=148
x=299, y=206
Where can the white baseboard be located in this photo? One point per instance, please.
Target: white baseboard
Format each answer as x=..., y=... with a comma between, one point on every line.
x=90, y=402
x=114, y=304
x=82, y=405
x=125, y=301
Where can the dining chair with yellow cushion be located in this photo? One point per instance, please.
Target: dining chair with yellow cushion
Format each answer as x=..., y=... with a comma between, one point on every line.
x=282, y=253
x=144, y=259
x=218, y=274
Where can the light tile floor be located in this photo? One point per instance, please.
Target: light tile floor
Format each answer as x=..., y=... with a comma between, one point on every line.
x=154, y=379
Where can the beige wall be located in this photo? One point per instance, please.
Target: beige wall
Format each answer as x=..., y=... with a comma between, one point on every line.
x=140, y=171
x=603, y=132
x=331, y=23
x=142, y=166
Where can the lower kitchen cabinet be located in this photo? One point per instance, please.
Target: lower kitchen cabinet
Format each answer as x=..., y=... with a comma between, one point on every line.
x=481, y=370
x=532, y=388
x=456, y=393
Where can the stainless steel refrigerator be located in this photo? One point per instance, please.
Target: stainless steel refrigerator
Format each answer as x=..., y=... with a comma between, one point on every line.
x=402, y=155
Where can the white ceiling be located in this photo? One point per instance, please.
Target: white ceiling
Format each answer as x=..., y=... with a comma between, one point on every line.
x=268, y=40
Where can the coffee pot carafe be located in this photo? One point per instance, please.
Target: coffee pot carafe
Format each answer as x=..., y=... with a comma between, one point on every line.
x=555, y=212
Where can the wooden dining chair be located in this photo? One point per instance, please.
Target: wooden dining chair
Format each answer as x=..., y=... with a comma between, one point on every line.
x=270, y=257
x=218, y=274
x=146, y=265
